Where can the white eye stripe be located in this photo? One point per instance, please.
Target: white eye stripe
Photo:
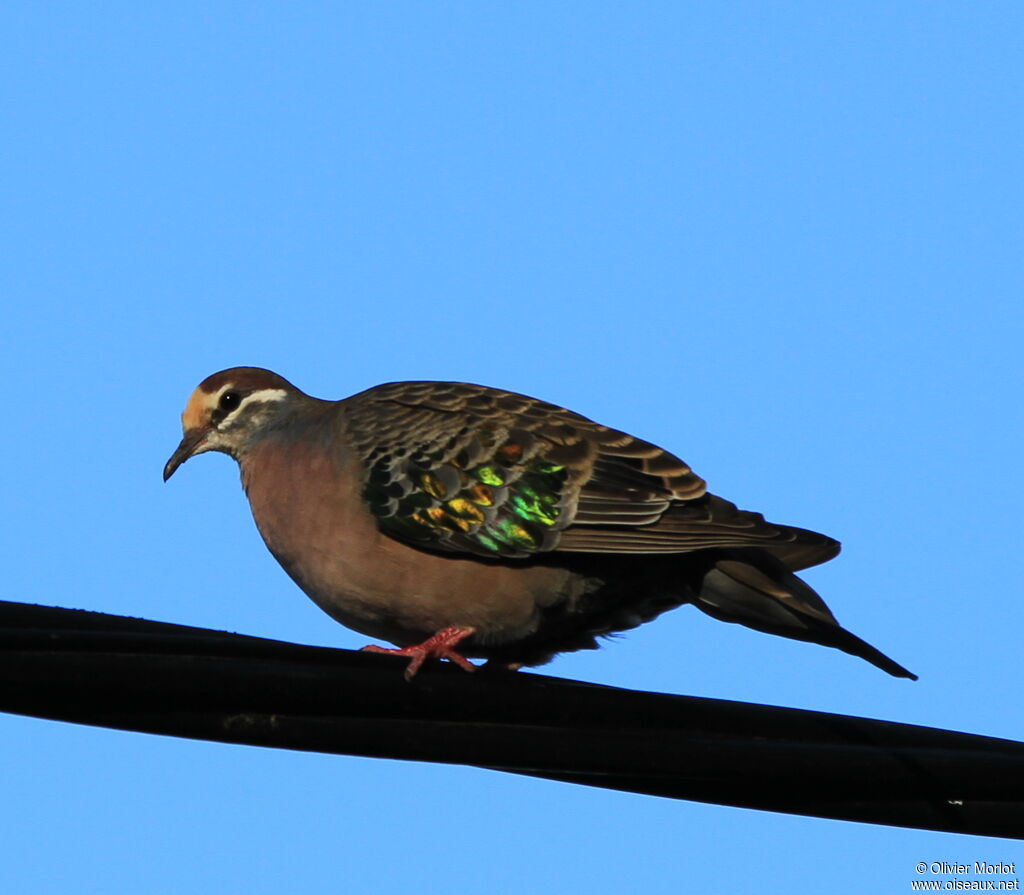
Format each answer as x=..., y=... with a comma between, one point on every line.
x=263, y=396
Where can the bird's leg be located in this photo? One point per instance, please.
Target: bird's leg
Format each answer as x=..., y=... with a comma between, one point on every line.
x=440, y=646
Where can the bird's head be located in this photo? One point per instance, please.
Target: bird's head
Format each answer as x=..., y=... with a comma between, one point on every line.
x=228, y=409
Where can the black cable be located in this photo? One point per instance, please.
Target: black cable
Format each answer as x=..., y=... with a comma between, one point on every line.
x=134, y=674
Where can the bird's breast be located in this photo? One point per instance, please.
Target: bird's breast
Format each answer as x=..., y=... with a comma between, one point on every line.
x=307, y=503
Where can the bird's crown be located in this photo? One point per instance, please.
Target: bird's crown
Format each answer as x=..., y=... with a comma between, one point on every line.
x=221, y=399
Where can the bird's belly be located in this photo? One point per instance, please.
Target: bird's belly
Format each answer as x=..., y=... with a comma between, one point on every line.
x=330, y=545
x=404, y=596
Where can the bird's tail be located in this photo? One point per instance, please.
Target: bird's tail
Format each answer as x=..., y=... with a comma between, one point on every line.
x=758, y=591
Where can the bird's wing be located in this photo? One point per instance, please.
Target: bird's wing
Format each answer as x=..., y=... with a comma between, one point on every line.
x=467, y=469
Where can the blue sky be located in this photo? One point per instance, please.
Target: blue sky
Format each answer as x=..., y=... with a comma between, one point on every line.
x=781, y=240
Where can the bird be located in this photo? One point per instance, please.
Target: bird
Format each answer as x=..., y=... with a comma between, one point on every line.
x=458, y=521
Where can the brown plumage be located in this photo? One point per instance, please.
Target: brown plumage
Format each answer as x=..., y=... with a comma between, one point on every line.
x=466, y=516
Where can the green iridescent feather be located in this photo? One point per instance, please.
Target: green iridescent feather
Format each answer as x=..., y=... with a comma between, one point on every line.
x=500, y=508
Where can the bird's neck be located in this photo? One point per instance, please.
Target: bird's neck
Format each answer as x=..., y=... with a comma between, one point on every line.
x=304, y=434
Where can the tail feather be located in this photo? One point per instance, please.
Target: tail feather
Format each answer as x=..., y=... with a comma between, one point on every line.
x=759, y=592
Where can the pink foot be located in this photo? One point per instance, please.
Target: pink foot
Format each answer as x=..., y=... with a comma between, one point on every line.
x=440, y=646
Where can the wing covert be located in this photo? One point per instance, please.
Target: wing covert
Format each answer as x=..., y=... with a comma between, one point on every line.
x=467, y=469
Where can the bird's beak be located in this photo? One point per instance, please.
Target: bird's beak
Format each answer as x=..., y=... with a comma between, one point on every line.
x=191, y=444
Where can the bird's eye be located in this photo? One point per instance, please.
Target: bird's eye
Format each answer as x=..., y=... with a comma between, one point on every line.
x=230, y=400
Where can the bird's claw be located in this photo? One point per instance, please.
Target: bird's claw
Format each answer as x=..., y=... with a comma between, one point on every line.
x=440, y=646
